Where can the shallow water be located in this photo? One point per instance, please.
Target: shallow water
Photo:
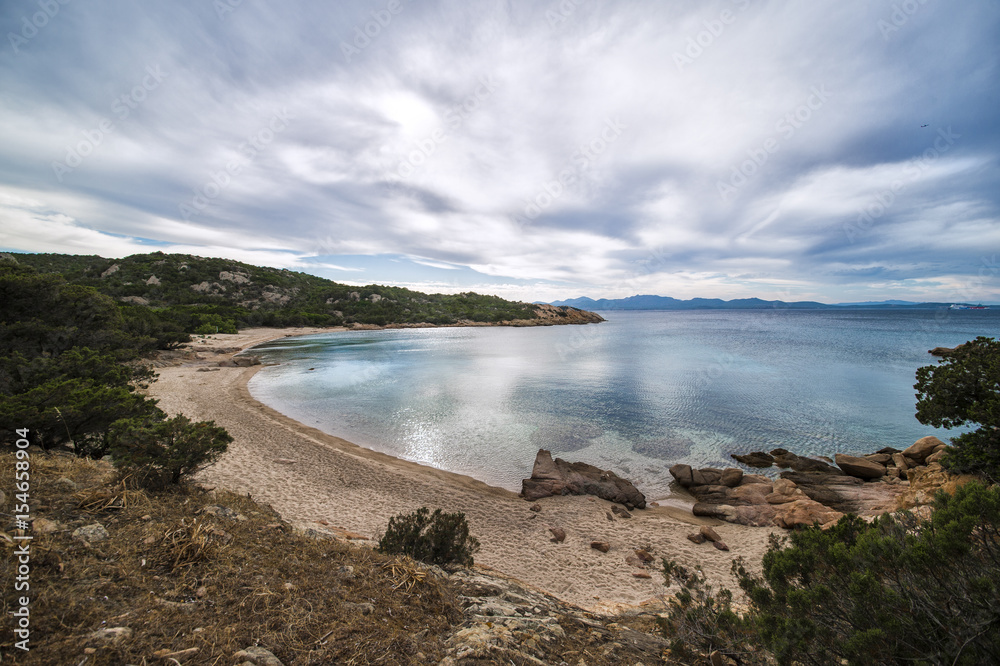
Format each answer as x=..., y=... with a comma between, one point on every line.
x=635, y=394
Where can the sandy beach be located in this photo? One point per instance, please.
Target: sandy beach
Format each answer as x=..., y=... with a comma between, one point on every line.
x=324, y=482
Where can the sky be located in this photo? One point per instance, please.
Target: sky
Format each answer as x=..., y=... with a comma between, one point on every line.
x=836, y=150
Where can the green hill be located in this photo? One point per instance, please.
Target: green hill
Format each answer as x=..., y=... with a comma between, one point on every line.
x=200, y=292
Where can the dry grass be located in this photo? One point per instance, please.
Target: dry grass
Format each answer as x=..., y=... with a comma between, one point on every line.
x=182, y=578
x=198, y=576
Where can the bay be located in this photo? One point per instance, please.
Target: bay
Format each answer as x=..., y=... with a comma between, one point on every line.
x=635, y=394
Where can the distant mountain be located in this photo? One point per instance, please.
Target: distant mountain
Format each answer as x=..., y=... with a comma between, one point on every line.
x=649, y=302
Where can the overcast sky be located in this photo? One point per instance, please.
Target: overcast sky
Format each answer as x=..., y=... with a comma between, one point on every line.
x=840, y=150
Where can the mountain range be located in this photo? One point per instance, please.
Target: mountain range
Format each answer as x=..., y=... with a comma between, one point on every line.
x=650, y=302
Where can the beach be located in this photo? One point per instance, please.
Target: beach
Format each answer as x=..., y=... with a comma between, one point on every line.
x=329, y=484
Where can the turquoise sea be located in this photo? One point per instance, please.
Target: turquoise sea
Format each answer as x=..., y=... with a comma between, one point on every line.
x=636, y=394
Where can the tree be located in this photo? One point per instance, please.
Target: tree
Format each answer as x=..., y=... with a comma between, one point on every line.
x=438, y=538
x=156, y=453
x=893, y=591
x=965, y=389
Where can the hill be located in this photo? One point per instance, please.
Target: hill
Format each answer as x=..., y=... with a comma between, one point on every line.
x=650, y=302
x=223, y=294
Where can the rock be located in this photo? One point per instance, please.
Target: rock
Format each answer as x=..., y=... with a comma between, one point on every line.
x=805, y=513
x=641, y=574
x=535, y=507
x=778, y=498
x=696, y=537
x=709, y=533
x=713, y=494
x=899, y=461
x=644, y=556
x=65, y=484
x=602, y=546
x=706, y=476
x=607, y=514
x=683, y=474
x=620, y=512
x=258, y=656
x=755, y=459
x=558, y=534
x=721, y=545
x=725, y=512
x=759, y=515
x=113, y=635
x=879, y=458
x=246, y=361
x=750, y=479
x=922, y=448
x=937, y=351
x=731, y=477
x=861, y=468
x=888, y=449
x=45, y=526
x=755, y=493
x=785, y=487
x=558, y=477
x=798, y=463
x=91, y=533
x=936, y=456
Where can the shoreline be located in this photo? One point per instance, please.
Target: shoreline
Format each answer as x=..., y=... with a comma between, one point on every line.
x=319, y=481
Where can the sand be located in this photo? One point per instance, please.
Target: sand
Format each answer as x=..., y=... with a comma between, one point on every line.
x=320, y=481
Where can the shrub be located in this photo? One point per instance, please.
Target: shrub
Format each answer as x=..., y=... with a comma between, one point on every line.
x=155, y=453
x=435, y=538
x=893, y=591
x=965, y=389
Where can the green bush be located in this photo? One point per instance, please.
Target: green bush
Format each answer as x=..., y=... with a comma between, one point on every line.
x=965, y=389
x=893, y=591
x=155, y=453
x=435, y=538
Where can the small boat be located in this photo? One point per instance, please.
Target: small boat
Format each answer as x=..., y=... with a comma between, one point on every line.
x=958, y=306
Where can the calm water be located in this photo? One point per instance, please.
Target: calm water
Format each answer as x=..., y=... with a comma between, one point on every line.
x=636, y=394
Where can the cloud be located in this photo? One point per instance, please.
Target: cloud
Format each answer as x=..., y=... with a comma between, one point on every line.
x=728, y=148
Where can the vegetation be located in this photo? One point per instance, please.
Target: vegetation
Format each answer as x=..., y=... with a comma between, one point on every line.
x=154, y=453
x=434, y=538
x=70, y=371
x=893, y=591
x=965, y=389
x=198, y=295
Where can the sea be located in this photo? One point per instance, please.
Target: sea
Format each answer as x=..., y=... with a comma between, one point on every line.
x=635, y=394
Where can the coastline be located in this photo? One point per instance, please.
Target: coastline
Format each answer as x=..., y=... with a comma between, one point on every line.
x=326, y=483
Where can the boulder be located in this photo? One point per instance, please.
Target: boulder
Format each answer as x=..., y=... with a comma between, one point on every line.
x=709, y=533
x=784, y=459
x=721, y=545
x=725, y=512
x=752, y=494
x=899, y=461
x=706, y=476
x=696, y=537
x=749, y=479
x=683, y=474
x=936, y=456
x=558, y=534
x=785, y=487
x=759, y=515
x=804, y=513
x=922, y=448
x=558, y=477
x=879, y=458
x=257, y=656
x=861, y=468
x=731, y=477
x=754, y=459
x=644, y=556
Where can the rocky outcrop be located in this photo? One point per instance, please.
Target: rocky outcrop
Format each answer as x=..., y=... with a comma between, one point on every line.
x=812, y=491
x=557, y=477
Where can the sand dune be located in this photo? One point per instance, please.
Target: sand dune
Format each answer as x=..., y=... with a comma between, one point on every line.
x=316, y=480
